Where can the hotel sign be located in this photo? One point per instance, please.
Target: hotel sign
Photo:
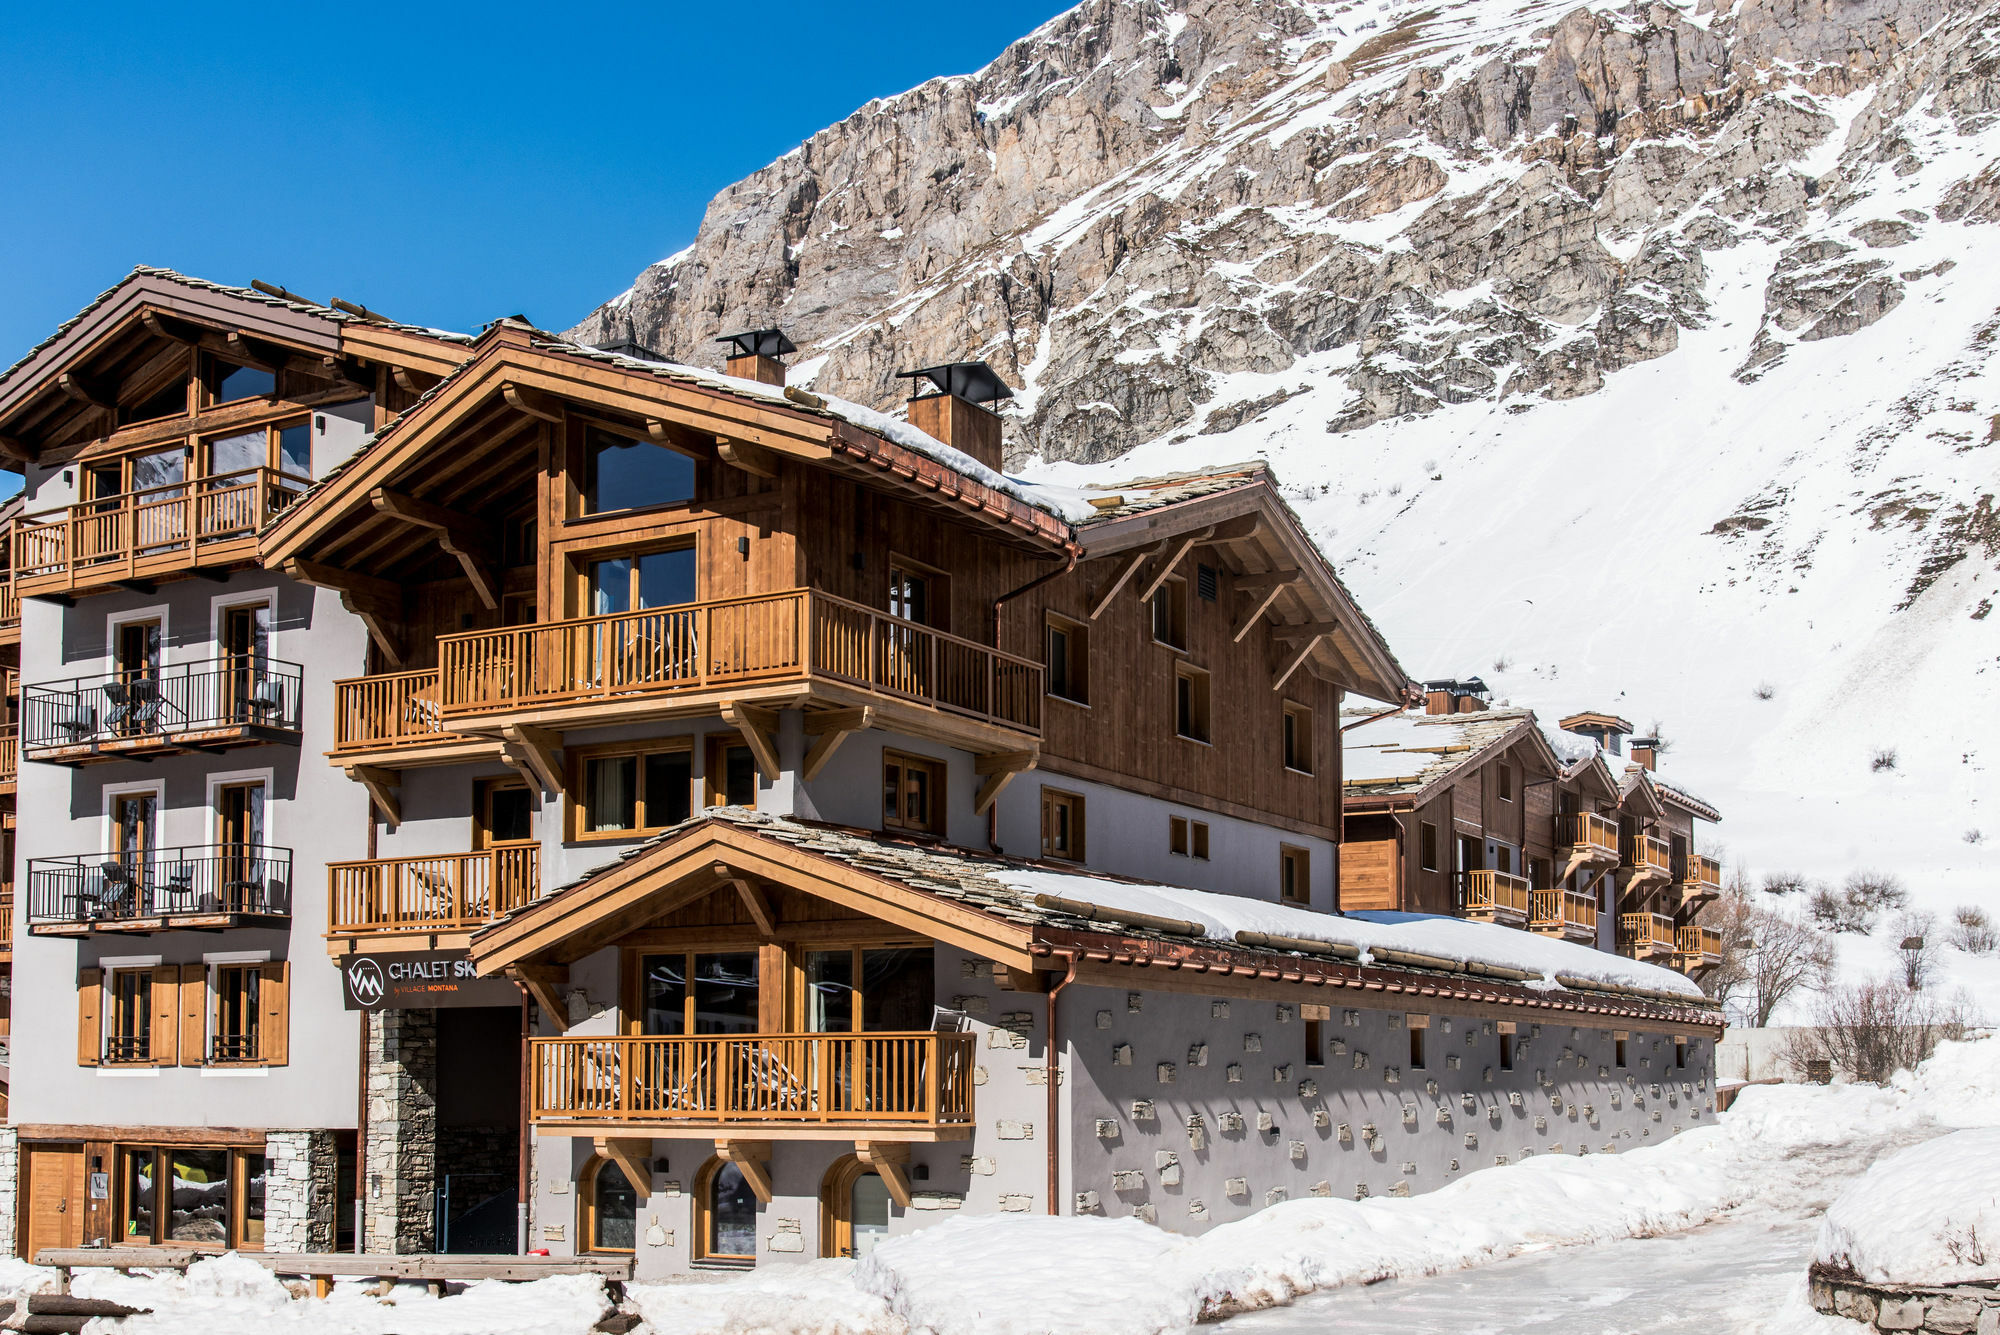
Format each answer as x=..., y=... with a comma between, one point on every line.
x=419, y=980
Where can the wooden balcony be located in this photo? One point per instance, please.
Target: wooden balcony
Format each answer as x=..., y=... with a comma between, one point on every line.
x=1646, y=935
x=1697, y=948
x=138, y=537
x=208, y=887
x=1564, y=913
x=830, y=1085
x=10, y=612
x=1701, y=878
x=393, y=720
x=1647, y=857
x=10, y=757
x=211, y=705
x=450, y=893
x=6, y=922
x=1496, y=895
x=1588, y=832
x=798, y=645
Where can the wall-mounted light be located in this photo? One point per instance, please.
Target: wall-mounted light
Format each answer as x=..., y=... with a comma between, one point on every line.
x=743, y=547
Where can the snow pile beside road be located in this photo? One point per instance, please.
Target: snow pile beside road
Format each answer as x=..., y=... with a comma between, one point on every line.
x=1034, y=1275
x=1929, y=1215
x=233, y=1295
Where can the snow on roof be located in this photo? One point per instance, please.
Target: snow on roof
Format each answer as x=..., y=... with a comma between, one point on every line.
x=1410, y=751
x=1124, y=499
x=1576, y=749
x=1008, y=889
x=1916, y=1217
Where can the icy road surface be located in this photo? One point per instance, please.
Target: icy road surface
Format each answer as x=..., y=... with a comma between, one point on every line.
x=1743, y=1274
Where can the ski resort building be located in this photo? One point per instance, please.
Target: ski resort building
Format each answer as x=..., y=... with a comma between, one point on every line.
x=491, y=794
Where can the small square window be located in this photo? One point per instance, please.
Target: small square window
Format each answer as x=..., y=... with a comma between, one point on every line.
x=912, y=793
x=1427, y=846
x=1198, y=831
x=1177, y=835
x=1417, y=1047
x=1062, y=825
x=1295, y=875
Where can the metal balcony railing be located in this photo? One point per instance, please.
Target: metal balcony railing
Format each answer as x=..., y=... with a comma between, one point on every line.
x=208, y=880
x=160, y=704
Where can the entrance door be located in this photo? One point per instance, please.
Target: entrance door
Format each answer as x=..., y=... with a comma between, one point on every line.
x=854, y=1203
x=246, y=645
x=57, y=1194
x=239, y=822
x=908, y=665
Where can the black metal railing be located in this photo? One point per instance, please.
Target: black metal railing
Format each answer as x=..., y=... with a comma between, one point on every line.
x=162, y=703
x=128, y=1048
x=233, y=1048
x=161, y=883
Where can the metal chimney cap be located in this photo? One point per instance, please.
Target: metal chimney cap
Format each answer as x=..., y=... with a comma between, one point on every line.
x=760, y=343
x=975, y=382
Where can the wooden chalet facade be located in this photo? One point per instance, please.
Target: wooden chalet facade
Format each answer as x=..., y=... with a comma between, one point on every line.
x=703, y=821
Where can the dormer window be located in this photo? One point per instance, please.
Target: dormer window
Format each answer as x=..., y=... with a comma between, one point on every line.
x=620, y=473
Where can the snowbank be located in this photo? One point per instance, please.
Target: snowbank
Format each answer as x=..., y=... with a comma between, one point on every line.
x=1002, y=1275
x=1929, y=1215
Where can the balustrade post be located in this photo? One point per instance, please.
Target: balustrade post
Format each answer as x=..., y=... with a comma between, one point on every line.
x=933, y=1050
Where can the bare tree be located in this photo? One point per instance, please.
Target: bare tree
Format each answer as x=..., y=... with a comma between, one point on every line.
x=1972, y=931
x=1767, y=957
x=1917, y=943
x=1869, y=1031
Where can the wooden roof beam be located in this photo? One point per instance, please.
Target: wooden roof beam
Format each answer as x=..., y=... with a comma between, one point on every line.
x=760, y=729
x=828, y=729
x=381, y=785
x=1298, y=660
x=1268, y=579
x=86, y=391
x=1167, y=567
x=532, y=753
x=533, y=402
x=377, y=602
x=1256, y=613
x=162, y=325
x=741, y=454
x=543, y=982
x=412, y=381
x=754, y=902
x=459, y=534
x=1130, y=567
x=998, y=771
x=13, y=447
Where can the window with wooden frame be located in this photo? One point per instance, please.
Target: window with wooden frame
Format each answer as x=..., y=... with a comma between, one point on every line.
x=919, y=593
x=1187, y=838
x=879, y=989
x=1317, y=1017
x=1062, y=825
x=1298, y=737
x=697, y=992
x=1680, y=1053
x=626, y=789
x=1427, y=846
x=1418, y=1025
x=1294, y=875
x=234, y=1016
x=503, y=812
x=913, y=793
x=632, y=581
x=1618, y=1048
x=725, y=1215
x=158, y=471
x=168, y=398
x=230, y=382
x=731, y=774
x=129, y=1015
x=232, y=460
x=854, y=1209
x=1503, y=781
x=625, y=472
x=1506, y=1045
x=204, y=1196
x=1066, y=660
x=608, y=1204
x=1170, y=613
x=1191, y=719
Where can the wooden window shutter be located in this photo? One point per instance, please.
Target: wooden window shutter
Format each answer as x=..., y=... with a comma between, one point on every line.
x=89, y=1017
x=166, y=1000
x=194, y=1013
x=274, y=1013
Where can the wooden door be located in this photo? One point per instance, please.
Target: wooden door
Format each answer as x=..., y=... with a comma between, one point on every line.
x=54, y=1193
x=240, y=832
x=246, y=644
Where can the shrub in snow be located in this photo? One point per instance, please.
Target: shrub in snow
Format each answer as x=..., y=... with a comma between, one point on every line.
x=1764, y=690
x=1883, y=759
x=1869, y=1031
x=1875, y=892
x=1927, y=1215
x=1972, y=931
x=1832, y=910
x=1785, y=883
x=1973, y=836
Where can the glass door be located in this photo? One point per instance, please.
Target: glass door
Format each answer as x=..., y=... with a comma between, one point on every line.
x=134, y=829
x=239, y=862
x=247, y=694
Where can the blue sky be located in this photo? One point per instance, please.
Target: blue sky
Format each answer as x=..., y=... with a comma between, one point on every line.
x=442, y=164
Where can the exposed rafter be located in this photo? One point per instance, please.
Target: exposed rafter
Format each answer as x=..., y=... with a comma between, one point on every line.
x=460, y=535
x=86, y=391
x=1123, y=576
x=522, y=398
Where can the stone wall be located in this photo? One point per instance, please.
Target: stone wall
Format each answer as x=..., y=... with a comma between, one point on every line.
x=301, y=1189
x=10, y=1189
x=400, y=1176
x=1957, y=1309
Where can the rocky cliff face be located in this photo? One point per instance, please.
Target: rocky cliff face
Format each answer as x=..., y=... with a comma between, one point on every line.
x=1138, y=202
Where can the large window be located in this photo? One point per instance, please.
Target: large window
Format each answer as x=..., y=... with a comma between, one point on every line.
x=869, y=989
x=648, y=579
x=913, y=793
x=287, y=448
x=725, y=1215
x=1067, y=660
x=1062, y=825
x=226, y=382
x=200, y=1196
x=610, y=1208
x=710, y=992
x=620, y=473
x=631, y=790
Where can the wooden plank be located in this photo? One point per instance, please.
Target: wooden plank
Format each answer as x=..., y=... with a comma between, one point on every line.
x=1123, y=576
x=759, y=728
x=1174, y=558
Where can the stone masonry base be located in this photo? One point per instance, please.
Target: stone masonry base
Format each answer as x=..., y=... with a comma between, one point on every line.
x=1958, y=1309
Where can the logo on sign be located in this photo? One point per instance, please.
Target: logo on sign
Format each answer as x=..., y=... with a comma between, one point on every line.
x=364, y=979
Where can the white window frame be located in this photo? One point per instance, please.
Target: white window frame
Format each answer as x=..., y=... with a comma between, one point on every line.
x=111, y=792
x=105, y=964
x=223, y=602
x=228, y=778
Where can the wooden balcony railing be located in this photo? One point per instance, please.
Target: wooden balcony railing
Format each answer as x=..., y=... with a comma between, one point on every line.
x=10, y=752
x=206, y=881
x=1645, y=934
x=1488, y=892
x=151, y=531
x=392, y=710
x=698, y=647
x=1648, y=854
x=10, y=605
x=7, y=918
x=923, y=1078
x=1564, y=910
x=451, y=892
x=1587, y=829
x=1702, y=875
x=1700, y=945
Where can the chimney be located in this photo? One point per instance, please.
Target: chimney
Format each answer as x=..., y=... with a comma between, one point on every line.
x=1437, y=697
x=754, y=355
x=1646, y=750
x=953, y=412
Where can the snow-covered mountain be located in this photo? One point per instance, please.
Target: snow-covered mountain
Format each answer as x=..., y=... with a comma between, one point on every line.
x=1637, y=357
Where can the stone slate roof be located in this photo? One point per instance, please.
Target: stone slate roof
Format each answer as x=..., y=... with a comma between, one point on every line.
x=1152, y=493
x=1407, y=753
x=227, y=290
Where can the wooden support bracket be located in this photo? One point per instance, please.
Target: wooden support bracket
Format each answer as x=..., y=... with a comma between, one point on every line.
x=754, y=459
x=533, y=752
x=828, y=729
x=381, y=785
x=632, y=1157
x=1256, y=613
x=759, y=728
x=753, y=899
x=377, y=602
x=1188, y=542
x=86, y=391
x=162, y=325
x=1123, y=576
x=412, y=381
x=545, y=983
x=753, y=1158
x=533, y=402
x=1306, y=648
x=1267, y=579
x=460, y=535
x=888, y=1158
x=999, y=770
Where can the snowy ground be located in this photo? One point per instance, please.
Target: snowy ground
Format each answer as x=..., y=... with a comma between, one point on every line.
x=1710, y=1231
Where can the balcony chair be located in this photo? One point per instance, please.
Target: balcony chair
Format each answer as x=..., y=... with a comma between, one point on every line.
x=135, y=706
x=115, y=890
x=266, y=699
x=176, y=893
x=78, y=720
x=781, y=1088
x=243, y=886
